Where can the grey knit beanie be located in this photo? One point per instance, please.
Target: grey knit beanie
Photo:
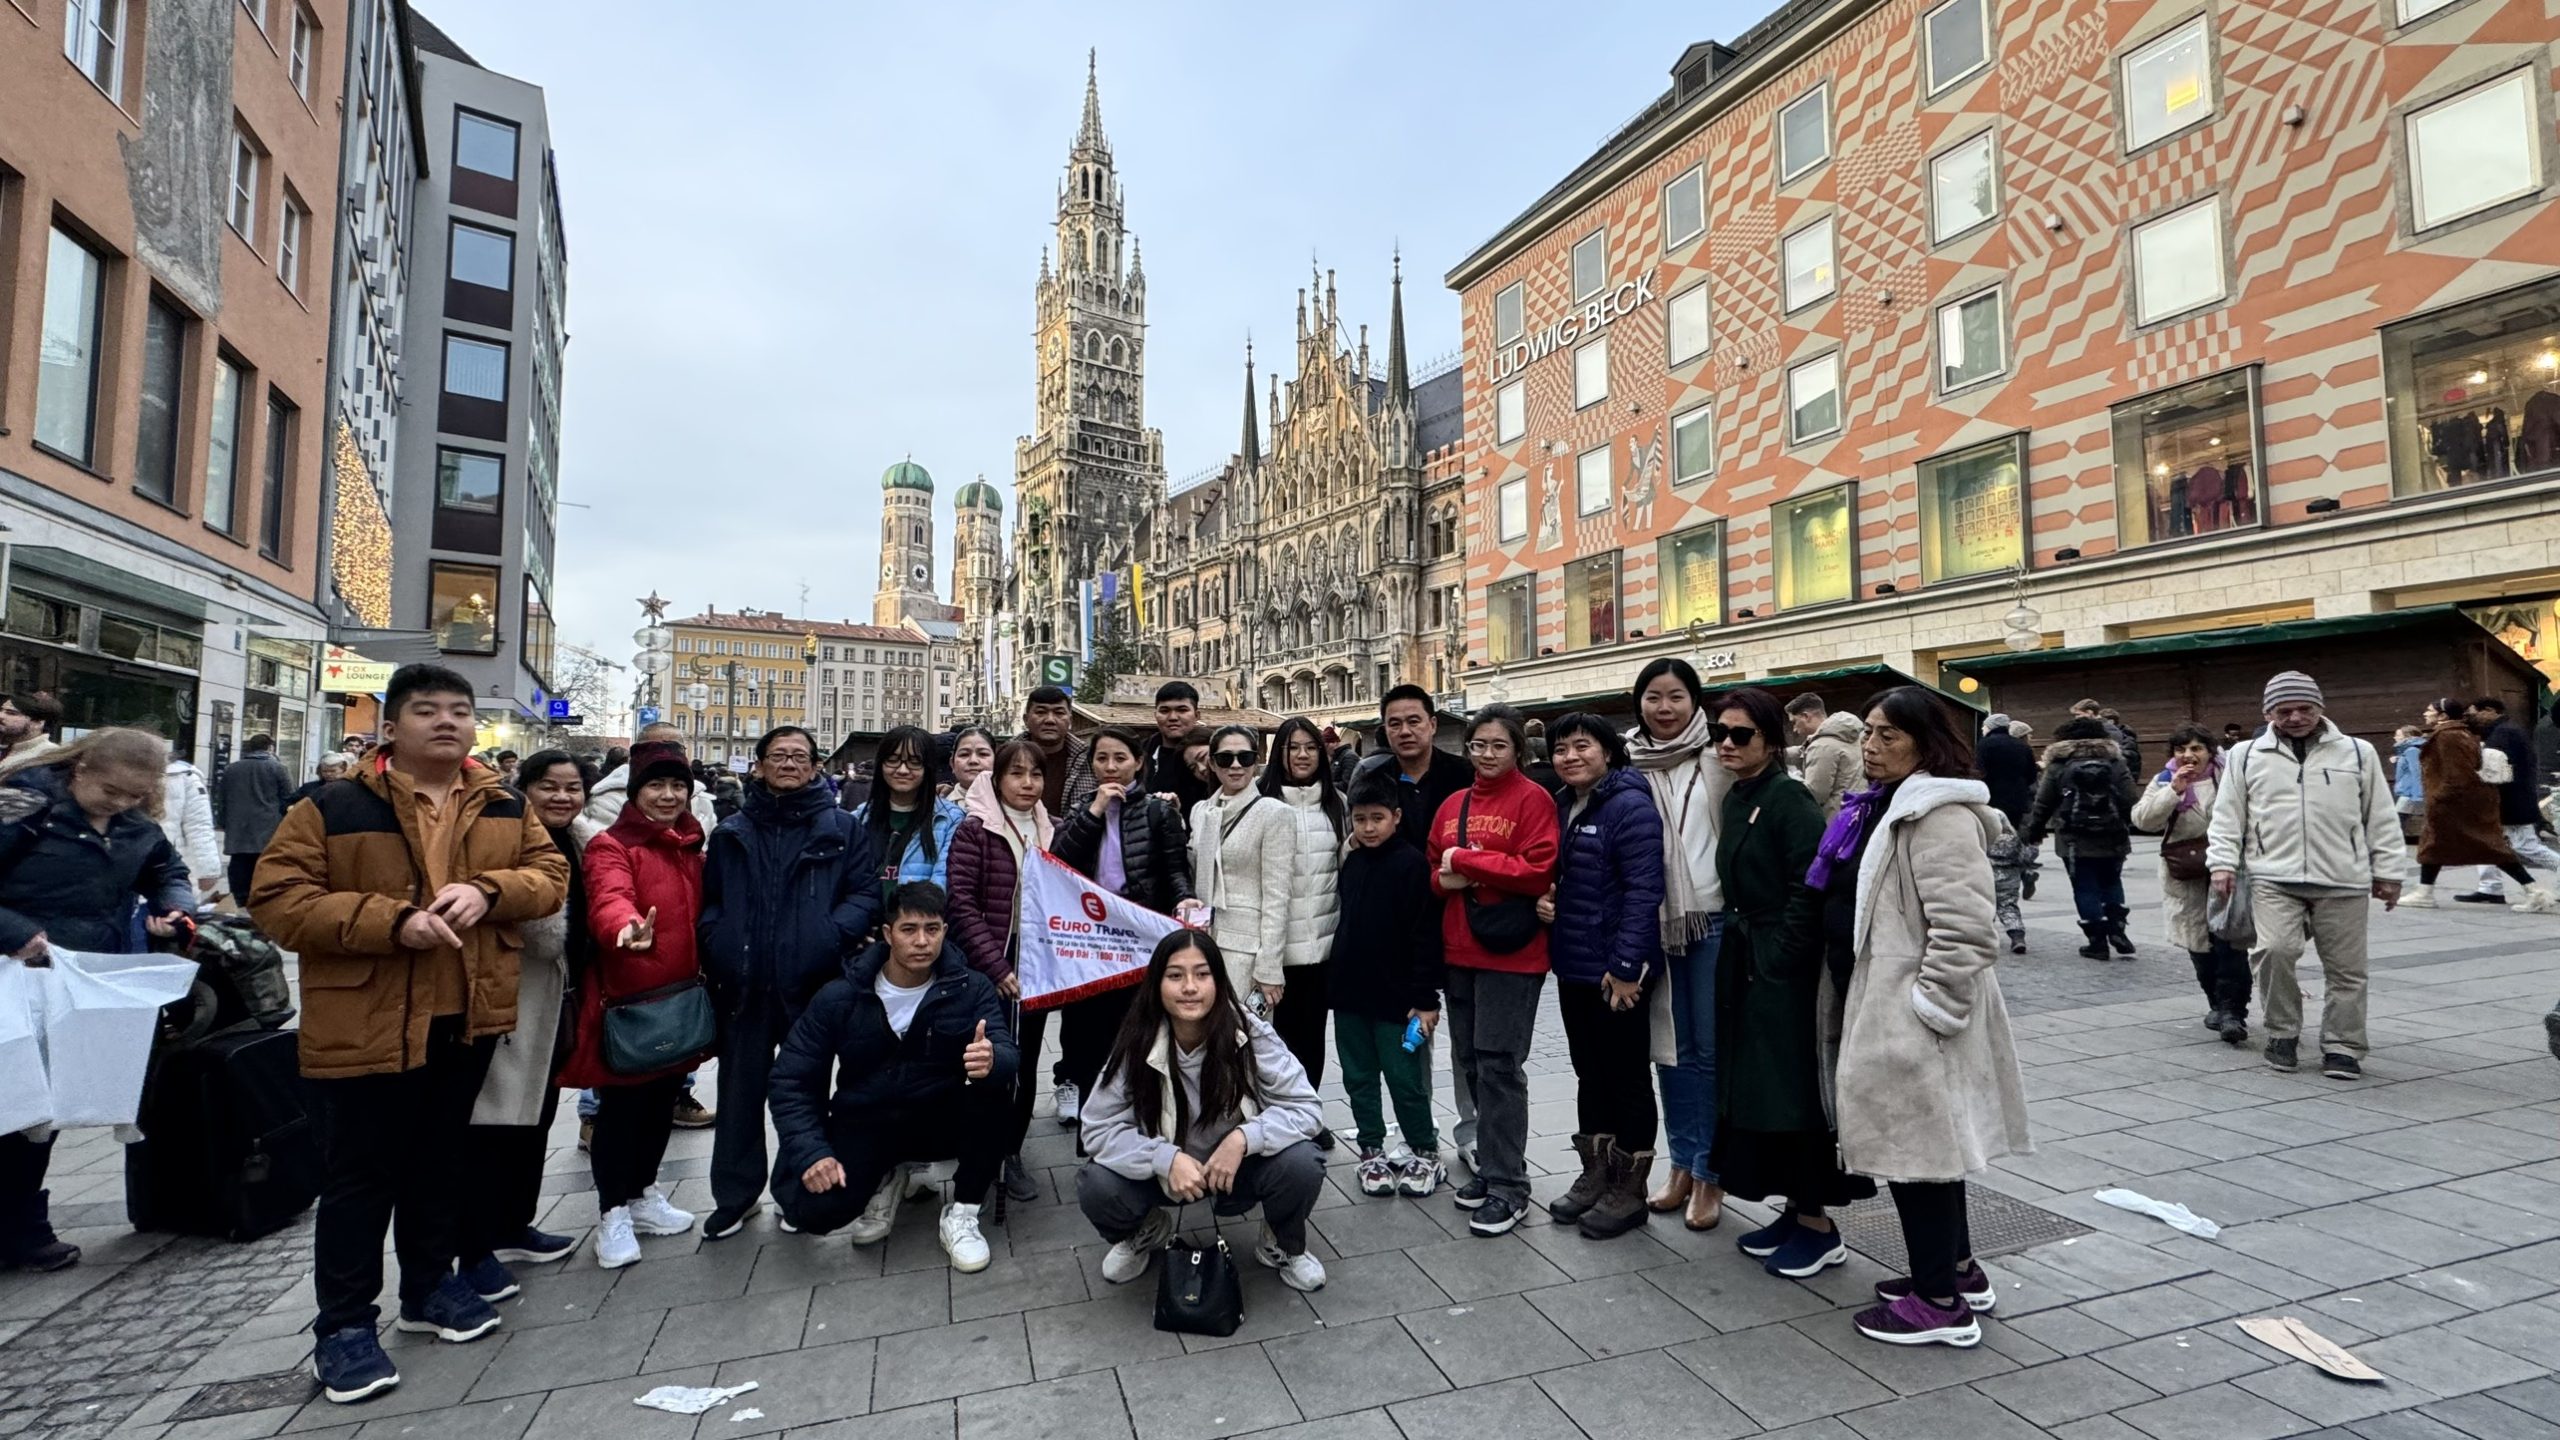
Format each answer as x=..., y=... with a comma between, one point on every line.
x=2292, y=687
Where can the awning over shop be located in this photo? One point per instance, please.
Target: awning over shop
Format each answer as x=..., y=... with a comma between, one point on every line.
x=104, y=584
x=389, y=647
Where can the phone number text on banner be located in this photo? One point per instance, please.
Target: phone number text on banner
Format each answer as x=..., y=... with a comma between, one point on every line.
x=1079, y=939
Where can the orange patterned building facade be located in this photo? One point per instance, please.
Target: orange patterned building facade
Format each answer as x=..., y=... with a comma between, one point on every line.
x=1900, y=333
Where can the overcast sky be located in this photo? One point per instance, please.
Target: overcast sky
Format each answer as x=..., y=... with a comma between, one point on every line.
x=803, y=236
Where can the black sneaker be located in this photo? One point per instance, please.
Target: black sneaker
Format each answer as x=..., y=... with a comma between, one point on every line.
x=536, y=1247
x=725, y=1221
x=1019, y=1187
x=350, y=1366
x=2235, y=1028
x=2213, y=1019
x=1763, y=1243
x=2017, y=942
x=490, y=1279
x=1472, y=1195
x=2282, y=1054
x=451, y=1313
x=50, y=1255
x=2480, y=897
x=2341, y=1067
x=1494, y=1216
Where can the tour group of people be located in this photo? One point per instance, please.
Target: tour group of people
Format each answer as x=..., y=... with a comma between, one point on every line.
x=1773, y=931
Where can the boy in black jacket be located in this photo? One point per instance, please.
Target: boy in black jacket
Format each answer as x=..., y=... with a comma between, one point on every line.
x=1383, y=976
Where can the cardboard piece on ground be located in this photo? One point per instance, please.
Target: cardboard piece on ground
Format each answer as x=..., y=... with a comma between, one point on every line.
x=2309, y=1346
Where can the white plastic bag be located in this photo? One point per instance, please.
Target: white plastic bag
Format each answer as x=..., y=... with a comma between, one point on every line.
x=25, y=1099
x=2177, y=1217
x=99, y=1015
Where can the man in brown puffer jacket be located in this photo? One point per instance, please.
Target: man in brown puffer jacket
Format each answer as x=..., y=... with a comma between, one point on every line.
x=401, y=890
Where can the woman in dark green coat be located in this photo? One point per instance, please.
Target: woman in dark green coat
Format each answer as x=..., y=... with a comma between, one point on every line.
x=1774, y=1134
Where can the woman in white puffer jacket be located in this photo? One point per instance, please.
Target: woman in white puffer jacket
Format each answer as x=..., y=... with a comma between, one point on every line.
x=1300, y=778
x=1241, y=844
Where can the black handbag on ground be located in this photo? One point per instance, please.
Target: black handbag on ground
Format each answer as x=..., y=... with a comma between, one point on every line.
x=1198, y=1292
x=1500, y=926
x=661, y=1029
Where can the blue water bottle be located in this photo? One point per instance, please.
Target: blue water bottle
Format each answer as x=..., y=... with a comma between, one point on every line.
x=1413, y=1033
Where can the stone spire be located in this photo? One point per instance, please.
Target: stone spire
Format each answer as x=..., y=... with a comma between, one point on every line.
x=1399, y=381
x=1252, y=422
x=1089, y=136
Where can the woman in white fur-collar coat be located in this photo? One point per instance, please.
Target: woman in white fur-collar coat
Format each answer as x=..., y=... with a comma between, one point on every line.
x=1925, y=1081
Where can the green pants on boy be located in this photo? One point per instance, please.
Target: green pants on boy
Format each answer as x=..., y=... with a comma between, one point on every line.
x=1372, y=1050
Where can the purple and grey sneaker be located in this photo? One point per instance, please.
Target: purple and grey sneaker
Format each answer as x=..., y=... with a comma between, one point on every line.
x=1912, y=1320
x=1973, y=1287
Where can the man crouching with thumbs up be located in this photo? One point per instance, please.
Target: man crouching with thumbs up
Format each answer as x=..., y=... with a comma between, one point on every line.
x=922, y=1069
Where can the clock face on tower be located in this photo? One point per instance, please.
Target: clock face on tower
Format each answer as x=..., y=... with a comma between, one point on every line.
x=921, y=575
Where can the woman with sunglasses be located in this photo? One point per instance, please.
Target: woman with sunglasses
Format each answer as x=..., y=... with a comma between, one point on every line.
x=1673, y=749
x=1773, y=1134
x=1606, y=949
x=1493, y=846
x=909, y=825
x=1242, y=843
x=1301, y=779
x=1130, y=843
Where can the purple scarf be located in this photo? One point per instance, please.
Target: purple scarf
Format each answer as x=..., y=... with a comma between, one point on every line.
x=1858, y=810
x=2186, y=802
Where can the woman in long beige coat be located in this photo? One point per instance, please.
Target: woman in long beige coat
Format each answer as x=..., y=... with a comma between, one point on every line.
x=2178, y=807
x=1925, y=1082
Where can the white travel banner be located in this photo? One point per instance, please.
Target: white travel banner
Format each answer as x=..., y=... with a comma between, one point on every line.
x=1079, y=939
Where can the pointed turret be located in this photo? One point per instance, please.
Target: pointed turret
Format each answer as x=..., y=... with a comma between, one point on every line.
x=1089, y=135
x=1399, y=380
x=1252, y=422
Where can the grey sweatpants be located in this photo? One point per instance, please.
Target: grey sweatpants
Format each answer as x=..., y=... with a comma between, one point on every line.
x=2336, y=926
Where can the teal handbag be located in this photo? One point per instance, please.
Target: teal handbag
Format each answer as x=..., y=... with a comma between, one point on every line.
x=667, y=1028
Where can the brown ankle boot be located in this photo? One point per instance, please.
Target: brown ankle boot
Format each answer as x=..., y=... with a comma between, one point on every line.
x=1674, y=1192
x=1621, y=1206
x=1594, y=1150
x=1706, y=1207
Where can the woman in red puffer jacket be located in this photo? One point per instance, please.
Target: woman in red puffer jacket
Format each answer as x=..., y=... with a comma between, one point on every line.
x=644, y=895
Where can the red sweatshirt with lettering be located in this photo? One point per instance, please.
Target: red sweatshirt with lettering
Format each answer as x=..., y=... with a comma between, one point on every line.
x=1509, y=849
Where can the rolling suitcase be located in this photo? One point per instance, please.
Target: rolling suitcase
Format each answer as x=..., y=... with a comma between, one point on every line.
x=228, y=1147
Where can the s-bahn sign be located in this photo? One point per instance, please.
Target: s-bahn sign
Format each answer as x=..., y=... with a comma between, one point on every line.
x=1580, y=323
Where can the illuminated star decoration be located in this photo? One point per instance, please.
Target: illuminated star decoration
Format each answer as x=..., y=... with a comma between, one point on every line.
x=654, y=607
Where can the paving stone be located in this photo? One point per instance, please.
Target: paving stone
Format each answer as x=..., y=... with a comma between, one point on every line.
x=1365, y=1287
x=728, y=1329
x=2485, y=1417
x=2066, y=1332
x=1491, y=1339
x=2393, y=1233
x=2405, y=1425
x=582, y=1412
x=1904, y=1369
x=803, y=1387
x=2186, y=1360
x=1583, y=1258
x=2482, y=1284
x=1018, y=1282
x=1731, y=1292
x=2325, y=1400
x=1353, y=1367
x=1475, y=1268
x=795, y=1262
x=2386, y=1309
x=2529, y=1331
x=719, y=1273
x=858, y=1309
x=489, y=1420
x=608, y=1347
x=2447, y=1363
x=1945, y=1415
x=918, y=1365
x=1118, y=1329
x=1511, y=1410
x=1647, y=1394
x=916, y=1422
x=2313, y=1254
x=1778, y=1377
x=1213, y=1393
x=2097, y=1427
x=1368, y=1226
x=2158, y=1309
x=1081, y=1406
x=2050, y=1395
x=2216, y=1412
x=1617, y=1315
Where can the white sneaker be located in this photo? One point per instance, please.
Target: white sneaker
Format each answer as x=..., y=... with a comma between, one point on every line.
x=1070, y=1103
x=616, y=1246
x=872, y=1225
x=1128, y=1258
x=2539, y=900
x=1298, y=1272
x=2417, y=897
x=961, y=1240
x=652, y=1215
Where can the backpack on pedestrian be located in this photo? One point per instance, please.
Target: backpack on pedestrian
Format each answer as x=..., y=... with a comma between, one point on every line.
x=2089, y=802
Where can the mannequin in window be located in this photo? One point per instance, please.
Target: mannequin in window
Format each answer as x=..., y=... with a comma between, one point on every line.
x=2499, y=448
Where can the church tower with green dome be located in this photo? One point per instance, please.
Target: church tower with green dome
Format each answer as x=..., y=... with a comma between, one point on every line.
x=906, y=547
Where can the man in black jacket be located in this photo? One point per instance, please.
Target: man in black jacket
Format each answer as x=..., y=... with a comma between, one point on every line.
x=2519, y=813
x=255, y=793
x=1426, y=774
x=922, y=1066
x=2008, y=767
x=1163, y=773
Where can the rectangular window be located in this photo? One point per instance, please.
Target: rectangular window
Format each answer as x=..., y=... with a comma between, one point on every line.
x=1972, y=520
x=484, y=145
x=75, y=282
x=2167, y=84
x=1591, y=373
x=1590, y=265
x=1804, y=135
x=277, y=489
x=1509, y=631
x=2187, y=460
x=2413, y=11
x=483, y=257
x=539, y=644
x=222, y=456
x=1814, y=549
x=2479, y=149
x=164, y=373
x=1510, y=312
x=298, y=57
x=1808, y=265
x=1511, y=510
x=1964, y=188
x=468, y=480
x=1591, y=485
x=1691, y=567
x=1693, y=445
x=244, y=186
x=1957, y=36
x=93, y=39
x=2177, y=263
x=1684, y=209
x=294, y=223
x=1591, y=601
x=462, y=607
x=257, y=11
x=1510, y=412
x=475, y=368
x=1813, y=399
x=1972, y=343
x=2468, y=391
x=1686, y=321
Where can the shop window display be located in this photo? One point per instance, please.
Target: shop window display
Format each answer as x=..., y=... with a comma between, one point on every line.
x=1971, y=510
x=2187, y=460
x=1591, y=601
x=1507, y=626
x=2474, y=391
x=1691, y=566
x=1815, y=558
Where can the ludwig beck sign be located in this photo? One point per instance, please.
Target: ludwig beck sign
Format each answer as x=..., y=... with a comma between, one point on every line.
x=1584, y=320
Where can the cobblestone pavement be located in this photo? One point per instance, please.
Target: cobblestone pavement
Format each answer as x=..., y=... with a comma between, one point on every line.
x=2414, y=1217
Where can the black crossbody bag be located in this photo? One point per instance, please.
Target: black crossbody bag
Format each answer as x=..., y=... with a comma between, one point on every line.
x=1501, y=926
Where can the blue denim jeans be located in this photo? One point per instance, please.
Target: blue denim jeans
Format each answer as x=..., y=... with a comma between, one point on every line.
x=1689, y=1088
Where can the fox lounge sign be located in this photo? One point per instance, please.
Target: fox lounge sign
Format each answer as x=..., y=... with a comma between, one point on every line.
x=1588, y=319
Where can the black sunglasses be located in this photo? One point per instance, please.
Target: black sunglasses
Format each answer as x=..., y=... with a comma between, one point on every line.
x=1738, y=734
x=1232, y=759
